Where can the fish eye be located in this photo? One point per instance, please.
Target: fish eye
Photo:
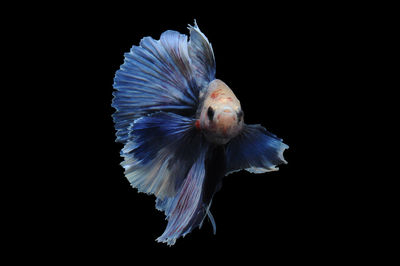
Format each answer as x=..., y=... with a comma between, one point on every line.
x=240, y=115
x=210, y=113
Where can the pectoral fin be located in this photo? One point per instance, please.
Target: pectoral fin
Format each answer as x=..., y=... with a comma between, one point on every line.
x=255, y=150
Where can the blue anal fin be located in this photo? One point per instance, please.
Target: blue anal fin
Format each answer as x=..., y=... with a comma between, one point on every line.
x=185, y=211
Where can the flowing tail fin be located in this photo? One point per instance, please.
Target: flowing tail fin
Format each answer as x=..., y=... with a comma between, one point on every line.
x=186, y=210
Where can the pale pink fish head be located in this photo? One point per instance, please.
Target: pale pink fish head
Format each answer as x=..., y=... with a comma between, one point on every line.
x=221, y=117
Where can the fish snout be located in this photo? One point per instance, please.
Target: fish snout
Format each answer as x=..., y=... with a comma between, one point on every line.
x=227, y=122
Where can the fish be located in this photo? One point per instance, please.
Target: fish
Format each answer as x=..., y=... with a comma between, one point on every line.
x=183, y=130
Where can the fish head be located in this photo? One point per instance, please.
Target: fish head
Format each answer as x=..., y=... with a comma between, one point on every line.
x=221, y=117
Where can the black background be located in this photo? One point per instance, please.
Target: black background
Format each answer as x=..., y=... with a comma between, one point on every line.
x=287, y=65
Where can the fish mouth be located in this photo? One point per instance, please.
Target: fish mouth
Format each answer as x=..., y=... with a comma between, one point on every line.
x=239, y=116
x=227, y=109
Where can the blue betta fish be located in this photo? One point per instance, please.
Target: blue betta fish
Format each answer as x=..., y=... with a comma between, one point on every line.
x=182, y=129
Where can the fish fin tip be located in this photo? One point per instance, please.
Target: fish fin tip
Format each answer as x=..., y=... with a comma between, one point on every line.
x=211, y=218
x=169, y=241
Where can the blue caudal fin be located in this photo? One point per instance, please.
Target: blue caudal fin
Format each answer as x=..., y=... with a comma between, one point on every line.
x=161, y=150
x=186, y=210
x=162, y=75
x=255, y=150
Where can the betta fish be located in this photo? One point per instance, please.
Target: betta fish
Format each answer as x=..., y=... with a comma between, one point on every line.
x=182, y=129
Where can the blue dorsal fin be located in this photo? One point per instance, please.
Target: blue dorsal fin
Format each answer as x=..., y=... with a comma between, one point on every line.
x=162, y=75
x=155, y=76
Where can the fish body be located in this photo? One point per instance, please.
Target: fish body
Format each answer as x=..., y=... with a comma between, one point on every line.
x=183, y=130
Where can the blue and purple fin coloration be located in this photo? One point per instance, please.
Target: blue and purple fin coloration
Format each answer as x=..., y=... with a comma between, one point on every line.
x=159, y=89
x=161, y=149
x=255, y=150
x=162, y=75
